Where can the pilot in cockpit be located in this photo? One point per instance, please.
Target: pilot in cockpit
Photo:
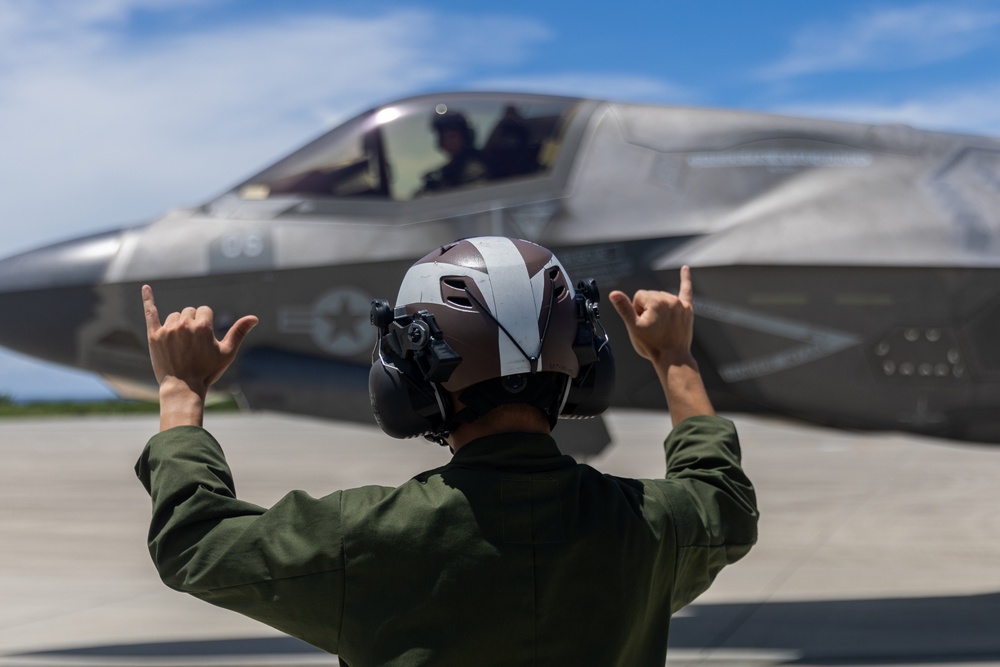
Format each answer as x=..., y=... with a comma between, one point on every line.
x=457, y=140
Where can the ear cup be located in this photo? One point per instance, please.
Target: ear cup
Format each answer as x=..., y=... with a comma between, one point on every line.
x=402, y=408
x=590, y=391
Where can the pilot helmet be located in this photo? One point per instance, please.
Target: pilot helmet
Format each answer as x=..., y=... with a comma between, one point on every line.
x=454, y=120
x=495, y=320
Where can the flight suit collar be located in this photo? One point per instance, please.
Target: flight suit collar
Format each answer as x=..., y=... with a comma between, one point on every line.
x=513, y=451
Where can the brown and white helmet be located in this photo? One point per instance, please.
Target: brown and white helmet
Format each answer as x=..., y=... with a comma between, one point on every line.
x=494, y=320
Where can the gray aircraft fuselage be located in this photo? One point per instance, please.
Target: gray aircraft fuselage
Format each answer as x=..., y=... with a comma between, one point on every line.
x=844, y=273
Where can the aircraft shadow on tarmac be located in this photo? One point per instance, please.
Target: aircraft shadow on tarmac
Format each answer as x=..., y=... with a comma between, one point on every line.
x=206, y=648
x=888, y=631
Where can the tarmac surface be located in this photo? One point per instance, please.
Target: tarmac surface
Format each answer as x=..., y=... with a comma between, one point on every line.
x=875, y=549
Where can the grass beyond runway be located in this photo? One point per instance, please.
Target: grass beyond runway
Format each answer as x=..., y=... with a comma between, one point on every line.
x=11, y=408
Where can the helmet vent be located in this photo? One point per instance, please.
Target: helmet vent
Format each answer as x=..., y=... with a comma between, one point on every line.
x=454, y=291
x=460, y=301
x=559, y=290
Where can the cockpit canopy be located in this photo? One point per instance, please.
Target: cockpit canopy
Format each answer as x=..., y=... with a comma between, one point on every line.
x=423, y=147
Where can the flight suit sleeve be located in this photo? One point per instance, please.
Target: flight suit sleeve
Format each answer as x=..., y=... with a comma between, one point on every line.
x=711, y=503
x=283, y=566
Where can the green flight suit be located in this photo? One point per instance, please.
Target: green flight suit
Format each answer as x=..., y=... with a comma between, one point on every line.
x=511, y=554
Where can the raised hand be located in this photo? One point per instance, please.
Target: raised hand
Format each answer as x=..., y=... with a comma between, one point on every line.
x=187, y=358
x=661, y=328
x=659, y=323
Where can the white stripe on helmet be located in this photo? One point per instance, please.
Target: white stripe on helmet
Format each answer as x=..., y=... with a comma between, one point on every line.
x=512, y=296
x=509, y=291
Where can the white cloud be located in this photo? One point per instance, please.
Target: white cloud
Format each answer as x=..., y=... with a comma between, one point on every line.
x=100, y=128
x=40, y=30
x=887, y=40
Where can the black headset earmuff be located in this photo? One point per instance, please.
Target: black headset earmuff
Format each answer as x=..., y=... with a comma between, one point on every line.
x=404, y=381
x=589, y=393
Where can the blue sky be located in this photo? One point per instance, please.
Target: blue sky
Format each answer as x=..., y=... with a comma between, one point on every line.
x=114, y=111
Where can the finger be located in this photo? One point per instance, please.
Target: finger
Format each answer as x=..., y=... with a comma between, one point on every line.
x=686, y=292
x=234, y=337
x=204, y=314
x=623, y=305
x=149, y=308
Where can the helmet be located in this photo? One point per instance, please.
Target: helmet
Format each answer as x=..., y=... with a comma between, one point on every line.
x=494, y=320
x=454, y=120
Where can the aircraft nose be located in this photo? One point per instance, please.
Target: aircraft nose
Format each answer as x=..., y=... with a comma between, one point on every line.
x=48, y=294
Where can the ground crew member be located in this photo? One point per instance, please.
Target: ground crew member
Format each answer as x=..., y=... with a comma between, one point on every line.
x=509, y=554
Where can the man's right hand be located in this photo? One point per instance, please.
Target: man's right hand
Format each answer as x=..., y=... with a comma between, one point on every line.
x=661, y=328
x=659, y=324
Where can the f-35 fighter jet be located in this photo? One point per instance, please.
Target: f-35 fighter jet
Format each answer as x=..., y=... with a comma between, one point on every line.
x=844, y=273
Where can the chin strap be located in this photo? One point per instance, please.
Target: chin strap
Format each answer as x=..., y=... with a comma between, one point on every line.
x=464, y=416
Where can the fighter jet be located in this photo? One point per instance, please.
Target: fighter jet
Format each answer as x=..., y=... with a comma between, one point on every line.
x=844, y=273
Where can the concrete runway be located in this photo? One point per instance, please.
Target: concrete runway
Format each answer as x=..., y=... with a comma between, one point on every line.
x=875, y=549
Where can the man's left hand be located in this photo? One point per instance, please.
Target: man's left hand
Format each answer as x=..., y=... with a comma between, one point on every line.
x=186, y=356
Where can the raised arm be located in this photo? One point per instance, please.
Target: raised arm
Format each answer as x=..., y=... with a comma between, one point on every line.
x=709, y=499
x=661, y=327
x=187, y=358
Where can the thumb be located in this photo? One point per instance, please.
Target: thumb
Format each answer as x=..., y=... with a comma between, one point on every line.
x=234, y=337
x=623, y=305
